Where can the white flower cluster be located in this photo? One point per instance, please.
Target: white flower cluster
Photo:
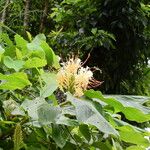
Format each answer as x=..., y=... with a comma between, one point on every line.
x=73, y=77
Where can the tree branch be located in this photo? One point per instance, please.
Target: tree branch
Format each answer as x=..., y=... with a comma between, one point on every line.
x=45, y=11
x=3, y=17
x=26, y=14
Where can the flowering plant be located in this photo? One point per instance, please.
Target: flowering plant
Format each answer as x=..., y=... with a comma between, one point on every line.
x=73, y=77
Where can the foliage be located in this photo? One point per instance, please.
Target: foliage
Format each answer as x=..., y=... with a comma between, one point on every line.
x=116, y=33
x=16, y=13
x=31, y=118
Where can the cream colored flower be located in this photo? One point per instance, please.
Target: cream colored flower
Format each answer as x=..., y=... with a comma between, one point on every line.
x=73, y=77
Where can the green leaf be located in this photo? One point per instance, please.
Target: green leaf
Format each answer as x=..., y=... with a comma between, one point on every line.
x=134, y=114
x=18, y=54
x=59, y=135
x=32, y=106
x=14, y=81
x=35, y=63
x=135, y=148
x=21, y=43
x=132, y=101
x=52, y=59
x=48, y=114
x=110, y=101
x=10, y=47
x=37, y=53
x=14, y=64
x=84, y=129
x=6, y=38
x=129, y=135
x=88, y=114
x=35, y=44
x=94, y=30
x=50, y=86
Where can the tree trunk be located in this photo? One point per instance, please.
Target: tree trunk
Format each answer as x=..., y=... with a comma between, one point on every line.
x=45, y=11
x=3, y=17
x=26, y=14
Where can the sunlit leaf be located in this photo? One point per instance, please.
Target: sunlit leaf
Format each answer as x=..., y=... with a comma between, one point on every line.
x=14, y=81
x=88, y=114
x=14, y=64
x=21, y=43
x=50, y=55
x=128, y=134
x=35, y=63
x=50, y=84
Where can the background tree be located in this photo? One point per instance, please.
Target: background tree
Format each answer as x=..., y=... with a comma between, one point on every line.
x=123, y=58
x=115, y=33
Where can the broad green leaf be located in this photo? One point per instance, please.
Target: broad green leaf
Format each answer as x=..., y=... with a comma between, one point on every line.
x=35, y=63
x=132, y=110
x=132, y=101
x=39, y=38
x=50, y=84
x=84, y=129
x=6, y=38
x=35, y=44
x=88, y=114
x=48, y=114
x=37, y=53
x=52, y=59
x=21, y=43
x=32, y=106
x=123, y=123
x=59, y=135
x=129, y=135
x=14, y=81
x=10, y=47
x=110, y=101
x=135, y=114
x=14, y=64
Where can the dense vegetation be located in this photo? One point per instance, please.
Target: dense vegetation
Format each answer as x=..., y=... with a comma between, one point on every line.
x=49, y=100
x=115, y=33
x=31, y=118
